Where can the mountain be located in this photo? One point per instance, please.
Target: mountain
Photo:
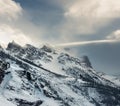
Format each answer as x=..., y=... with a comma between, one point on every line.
x=48, y=77
x=115, y=79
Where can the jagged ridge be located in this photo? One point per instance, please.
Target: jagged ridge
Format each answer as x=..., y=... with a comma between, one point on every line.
x=47, y=77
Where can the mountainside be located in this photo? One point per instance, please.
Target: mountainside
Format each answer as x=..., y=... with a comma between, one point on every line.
x=47, y=77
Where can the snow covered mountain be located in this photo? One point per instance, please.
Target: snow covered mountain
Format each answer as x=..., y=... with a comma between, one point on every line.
x=47, y=77
x=115, y=79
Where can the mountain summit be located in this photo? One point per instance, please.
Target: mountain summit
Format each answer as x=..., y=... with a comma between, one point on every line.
x=47, y=77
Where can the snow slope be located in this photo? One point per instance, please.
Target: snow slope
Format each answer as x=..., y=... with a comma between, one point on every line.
x=46, y=77
x=113, y=79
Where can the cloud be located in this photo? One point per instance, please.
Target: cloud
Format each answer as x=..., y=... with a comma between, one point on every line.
x=85, y=43
x=57, y=21
x=86, y=17
x=95, y=8
x=7, y=34
x=9, y=9
x=10, y=16
x=114, y=35
x=15, y=24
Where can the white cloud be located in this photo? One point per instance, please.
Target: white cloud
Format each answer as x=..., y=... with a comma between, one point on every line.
x=85, y=43
x=15, y=26
x=16, y=19
x=94, y=8
x=87, y=16
x=9, y=9
x=114, y=35
x=8, y=34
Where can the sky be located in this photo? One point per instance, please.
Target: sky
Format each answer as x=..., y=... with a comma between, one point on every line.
x=88, y=27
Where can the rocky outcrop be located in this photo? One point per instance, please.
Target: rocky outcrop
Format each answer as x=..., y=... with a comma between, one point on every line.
x=22, y=102
x=2, y=74
x=3, y=66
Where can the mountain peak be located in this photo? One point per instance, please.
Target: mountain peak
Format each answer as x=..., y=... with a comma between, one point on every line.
x=86, y=60
x=13, y=45
x=0, y=46
x=29, y=46
x=47, y=48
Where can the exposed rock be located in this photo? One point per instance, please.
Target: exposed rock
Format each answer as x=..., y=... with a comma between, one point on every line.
x=22, y=102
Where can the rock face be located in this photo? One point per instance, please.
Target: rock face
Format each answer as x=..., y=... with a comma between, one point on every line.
x=46, y=77
x=85, y=60
x=3, y=66
x=47, y=49
x=26, y=103
x=1, y=75
x=1, y=47
x=13, y=47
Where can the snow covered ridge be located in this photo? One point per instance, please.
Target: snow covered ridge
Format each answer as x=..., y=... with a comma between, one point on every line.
x=47, y=77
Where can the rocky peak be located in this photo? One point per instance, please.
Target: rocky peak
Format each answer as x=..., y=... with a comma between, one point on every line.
x=1, y=47
x=30, y=49
x=29, y=46
x=12, y=46
x=47, y=48
x=86, y=60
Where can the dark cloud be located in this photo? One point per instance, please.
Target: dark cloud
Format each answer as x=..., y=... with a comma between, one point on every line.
x=42, y=12
x=46, y=16
x=50, y=17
